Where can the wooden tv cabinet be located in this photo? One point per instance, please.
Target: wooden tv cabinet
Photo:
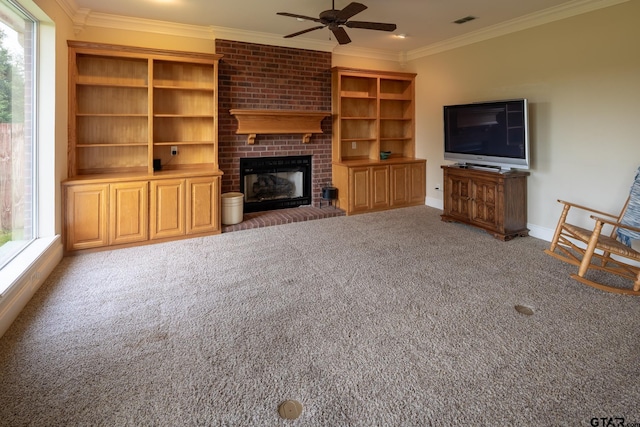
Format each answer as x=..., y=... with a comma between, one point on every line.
x=491, y=200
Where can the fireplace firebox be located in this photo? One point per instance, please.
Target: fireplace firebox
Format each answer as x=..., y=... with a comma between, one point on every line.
x=270, y=183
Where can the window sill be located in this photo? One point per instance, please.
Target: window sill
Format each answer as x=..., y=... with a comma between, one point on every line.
x=27, y=266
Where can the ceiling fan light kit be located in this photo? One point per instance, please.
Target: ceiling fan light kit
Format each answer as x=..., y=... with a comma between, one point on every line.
x=336, y=20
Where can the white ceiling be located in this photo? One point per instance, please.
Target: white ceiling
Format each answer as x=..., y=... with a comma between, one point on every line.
x=426, y=23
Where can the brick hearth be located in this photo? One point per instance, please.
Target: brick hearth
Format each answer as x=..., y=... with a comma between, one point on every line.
x=283, y=216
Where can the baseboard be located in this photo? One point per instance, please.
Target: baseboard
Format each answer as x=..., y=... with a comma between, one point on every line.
x=541, y=233
x=434, y=203
x=36, y=262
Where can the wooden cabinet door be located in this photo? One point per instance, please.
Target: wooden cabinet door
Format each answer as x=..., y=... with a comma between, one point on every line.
x=167, y=208
x=457, y=197
x=359, y=189
x=128, y=212
x=86, y=220
x=408, y=184
x=399, y=184
x=379, y=187
x=417, y=183
x=203, y=205
x=484, y=198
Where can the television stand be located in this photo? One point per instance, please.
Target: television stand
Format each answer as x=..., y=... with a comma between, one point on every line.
x=494, y=202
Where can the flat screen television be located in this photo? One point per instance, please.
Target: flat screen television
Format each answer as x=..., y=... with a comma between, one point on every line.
x=493, y=134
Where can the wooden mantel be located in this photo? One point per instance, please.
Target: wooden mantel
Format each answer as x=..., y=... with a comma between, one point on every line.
x=253, y=122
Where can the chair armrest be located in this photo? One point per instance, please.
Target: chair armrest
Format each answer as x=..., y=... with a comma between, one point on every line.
x=588, y=209
x=616, y=224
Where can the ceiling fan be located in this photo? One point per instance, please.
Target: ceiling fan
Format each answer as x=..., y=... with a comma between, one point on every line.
x=335, y=19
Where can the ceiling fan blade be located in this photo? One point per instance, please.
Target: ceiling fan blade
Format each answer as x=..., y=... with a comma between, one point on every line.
x=341, y=35
x=350, y=10
x=303, y=31
x=371, y=25
x=293, y=15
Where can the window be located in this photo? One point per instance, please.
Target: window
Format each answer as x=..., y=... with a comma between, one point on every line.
x=17, y=129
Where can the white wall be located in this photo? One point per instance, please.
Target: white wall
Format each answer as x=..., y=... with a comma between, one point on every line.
x=367, y=63
x=582, y=78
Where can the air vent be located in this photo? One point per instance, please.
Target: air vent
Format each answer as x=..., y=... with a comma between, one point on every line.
x=465, y=19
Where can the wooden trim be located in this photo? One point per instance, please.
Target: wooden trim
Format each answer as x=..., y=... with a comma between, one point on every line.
x=253, y=122
x=358, y=72
x=123, y=51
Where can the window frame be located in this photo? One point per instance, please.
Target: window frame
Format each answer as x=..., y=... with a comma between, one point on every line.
x=29, y=64
x=21, y=276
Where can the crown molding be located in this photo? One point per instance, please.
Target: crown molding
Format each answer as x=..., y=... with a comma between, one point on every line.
x=546, y=16
x=68, y=6
x=80, y=19
x=118, y=22
x=83, y=17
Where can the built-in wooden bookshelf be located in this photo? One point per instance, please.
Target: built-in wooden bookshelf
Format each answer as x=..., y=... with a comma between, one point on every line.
x=140, y=118
x=373, y=112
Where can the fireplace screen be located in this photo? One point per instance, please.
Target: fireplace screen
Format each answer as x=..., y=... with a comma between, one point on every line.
x=275, y=182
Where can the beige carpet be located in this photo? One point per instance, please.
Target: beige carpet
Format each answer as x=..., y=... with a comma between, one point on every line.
x=392, y=318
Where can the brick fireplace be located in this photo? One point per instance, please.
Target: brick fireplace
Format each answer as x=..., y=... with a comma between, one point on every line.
x=254, y=76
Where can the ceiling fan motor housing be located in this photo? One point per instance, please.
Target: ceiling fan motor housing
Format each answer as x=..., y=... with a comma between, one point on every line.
x=331, y=17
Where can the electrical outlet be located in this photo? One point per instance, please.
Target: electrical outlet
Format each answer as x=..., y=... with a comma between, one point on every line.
x=174, y=150
x=353, y=145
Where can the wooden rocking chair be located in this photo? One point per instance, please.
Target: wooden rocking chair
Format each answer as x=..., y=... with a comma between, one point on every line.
x=595, y=250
